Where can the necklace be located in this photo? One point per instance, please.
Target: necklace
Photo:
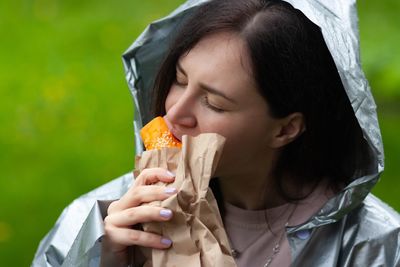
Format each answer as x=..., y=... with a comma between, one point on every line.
x=276, y=248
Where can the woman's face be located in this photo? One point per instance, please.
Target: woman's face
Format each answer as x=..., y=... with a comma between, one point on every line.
x=215, y=92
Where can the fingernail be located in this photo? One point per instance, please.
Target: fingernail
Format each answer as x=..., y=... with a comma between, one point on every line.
x=170, y=174
x=170, y=190
x=166, y=241
x=165, y=213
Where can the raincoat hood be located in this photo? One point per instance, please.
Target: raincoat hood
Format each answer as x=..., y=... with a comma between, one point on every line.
x=339, y=26
x=356, y=228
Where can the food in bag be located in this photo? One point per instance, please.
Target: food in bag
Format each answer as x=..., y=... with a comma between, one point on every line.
x=156, y=135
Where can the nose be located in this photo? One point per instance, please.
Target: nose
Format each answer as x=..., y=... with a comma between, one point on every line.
x=180, y=112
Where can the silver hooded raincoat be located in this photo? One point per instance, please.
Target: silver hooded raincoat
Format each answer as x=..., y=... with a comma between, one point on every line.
x=354, y=228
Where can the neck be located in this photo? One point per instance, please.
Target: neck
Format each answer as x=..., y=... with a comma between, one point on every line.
x=252, y=186
x=252, y=192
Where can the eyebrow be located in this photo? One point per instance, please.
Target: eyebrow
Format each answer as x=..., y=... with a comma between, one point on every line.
x=207, y=88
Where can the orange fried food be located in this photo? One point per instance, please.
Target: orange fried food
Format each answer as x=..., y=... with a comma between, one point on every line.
x=155, y=135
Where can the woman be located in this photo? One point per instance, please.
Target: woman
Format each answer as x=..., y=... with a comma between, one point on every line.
x=293, y=179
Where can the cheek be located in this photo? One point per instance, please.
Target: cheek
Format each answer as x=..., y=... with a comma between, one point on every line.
x=245, y=143
x=243, y=133
x=236, y=143
x=235, y=139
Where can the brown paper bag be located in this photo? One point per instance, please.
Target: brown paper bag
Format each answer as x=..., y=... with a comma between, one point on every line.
x=196, y=229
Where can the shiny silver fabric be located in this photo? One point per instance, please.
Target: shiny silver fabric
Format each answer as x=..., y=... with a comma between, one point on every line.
x=353, y=229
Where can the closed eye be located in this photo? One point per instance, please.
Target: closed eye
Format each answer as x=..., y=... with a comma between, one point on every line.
x=180, y=84
x=210, y=106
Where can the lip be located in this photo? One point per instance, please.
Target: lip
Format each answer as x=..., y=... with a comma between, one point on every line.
x=172, y=130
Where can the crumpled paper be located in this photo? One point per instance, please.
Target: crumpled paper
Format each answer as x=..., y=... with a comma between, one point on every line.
x=196, y=228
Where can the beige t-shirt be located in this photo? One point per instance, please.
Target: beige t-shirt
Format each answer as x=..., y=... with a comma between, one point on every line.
x=252, y=238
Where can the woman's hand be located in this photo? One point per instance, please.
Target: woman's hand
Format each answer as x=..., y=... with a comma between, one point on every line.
x=126, y=212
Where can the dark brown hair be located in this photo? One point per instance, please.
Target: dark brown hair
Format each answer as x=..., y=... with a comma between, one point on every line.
x=294, y=72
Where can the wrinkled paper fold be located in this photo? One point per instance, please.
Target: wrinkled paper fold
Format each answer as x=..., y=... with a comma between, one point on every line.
x=196, y=228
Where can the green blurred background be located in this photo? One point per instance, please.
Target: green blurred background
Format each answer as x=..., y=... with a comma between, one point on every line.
x=66, y=112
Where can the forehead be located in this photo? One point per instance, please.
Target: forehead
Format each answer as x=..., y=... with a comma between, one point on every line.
x=221, y=62
x=219, y=56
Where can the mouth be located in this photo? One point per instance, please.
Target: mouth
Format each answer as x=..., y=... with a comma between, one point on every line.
x=174, y=134
x=172, y=130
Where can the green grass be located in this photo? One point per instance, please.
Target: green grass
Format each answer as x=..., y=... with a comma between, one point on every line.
x=66, y=112
x=380, y=40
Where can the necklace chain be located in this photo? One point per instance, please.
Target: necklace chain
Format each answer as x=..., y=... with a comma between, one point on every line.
x=277, y=247
x=275, y=250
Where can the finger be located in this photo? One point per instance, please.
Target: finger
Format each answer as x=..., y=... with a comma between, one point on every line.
x=153, y=175
x=129, y=237
x=141, y=194
x=137, y=215
x=146, y=194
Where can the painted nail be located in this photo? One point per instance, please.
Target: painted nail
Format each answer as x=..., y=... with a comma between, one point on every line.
x=170, y=174
x=166, y=241
x=170, y=190
x=303, y=234
x=165, y=213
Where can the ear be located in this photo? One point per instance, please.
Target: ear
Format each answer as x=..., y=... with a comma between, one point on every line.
x=288, y=129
